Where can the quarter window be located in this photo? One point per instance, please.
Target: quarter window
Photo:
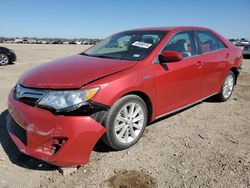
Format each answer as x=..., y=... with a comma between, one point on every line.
x=182, y=42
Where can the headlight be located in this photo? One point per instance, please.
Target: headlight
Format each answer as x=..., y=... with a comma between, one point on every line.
x=11, y=51
x=67, y=100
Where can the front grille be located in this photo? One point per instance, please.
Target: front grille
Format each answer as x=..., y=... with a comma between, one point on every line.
x=27, y=95
x=20, y=132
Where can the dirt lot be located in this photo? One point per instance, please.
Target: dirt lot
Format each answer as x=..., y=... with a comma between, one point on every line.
x=207, y=145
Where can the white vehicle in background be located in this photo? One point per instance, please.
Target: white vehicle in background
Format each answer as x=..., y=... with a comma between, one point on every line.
x=78, y=42
x=235, y=42
x=18, y=41
x=244, y=42
x=31, y=41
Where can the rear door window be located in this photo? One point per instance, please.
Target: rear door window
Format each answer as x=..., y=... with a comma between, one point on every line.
x=221, y=44
x=209, y=42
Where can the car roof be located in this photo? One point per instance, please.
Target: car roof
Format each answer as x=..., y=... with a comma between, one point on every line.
x=169, y=28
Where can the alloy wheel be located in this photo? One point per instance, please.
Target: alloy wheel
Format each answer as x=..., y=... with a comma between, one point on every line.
x=129, y=122
x=4, y=60
x=228, y=86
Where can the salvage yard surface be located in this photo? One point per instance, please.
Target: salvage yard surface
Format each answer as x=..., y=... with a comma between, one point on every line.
x=207, y=145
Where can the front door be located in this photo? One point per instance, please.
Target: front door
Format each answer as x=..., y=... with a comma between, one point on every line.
x=179, y=83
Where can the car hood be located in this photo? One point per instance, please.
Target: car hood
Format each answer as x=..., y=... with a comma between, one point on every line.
x=4, y=49
x=72, y=72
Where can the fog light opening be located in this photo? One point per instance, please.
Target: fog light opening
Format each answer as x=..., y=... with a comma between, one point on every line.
x=57, y=144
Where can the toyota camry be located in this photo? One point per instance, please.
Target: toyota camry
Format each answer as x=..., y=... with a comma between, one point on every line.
x=111, y=91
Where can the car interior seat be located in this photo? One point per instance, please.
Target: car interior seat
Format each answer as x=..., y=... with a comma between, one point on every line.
x=149, y=40
x=208, y=46
x=180, y=46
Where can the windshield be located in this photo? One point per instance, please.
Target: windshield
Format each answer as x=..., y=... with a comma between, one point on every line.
x=129, y=45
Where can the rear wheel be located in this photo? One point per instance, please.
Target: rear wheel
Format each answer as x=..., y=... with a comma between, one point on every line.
x=4, y=59
x=126, y=122
x=227, y=88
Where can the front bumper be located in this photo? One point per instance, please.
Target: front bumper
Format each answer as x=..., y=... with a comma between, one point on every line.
x=58, y=140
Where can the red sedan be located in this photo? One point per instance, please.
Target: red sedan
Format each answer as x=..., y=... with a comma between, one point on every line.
x=59, y=110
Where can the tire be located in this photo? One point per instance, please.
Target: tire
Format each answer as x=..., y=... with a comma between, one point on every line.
x=4, y=59
x=123, y=129
x=227, y=88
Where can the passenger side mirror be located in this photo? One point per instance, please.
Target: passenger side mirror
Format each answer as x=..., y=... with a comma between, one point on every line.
x=170, y=56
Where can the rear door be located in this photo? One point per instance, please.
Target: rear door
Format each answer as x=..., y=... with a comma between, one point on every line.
x=179, y=83
x=215, y=58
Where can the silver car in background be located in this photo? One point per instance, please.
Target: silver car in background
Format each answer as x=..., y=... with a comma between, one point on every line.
x=246, y=50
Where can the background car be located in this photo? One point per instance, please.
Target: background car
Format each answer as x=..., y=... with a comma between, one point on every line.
x=57, y=42
x=235, y=42
x=244, y=42
x=7, y=56
x=246, y=51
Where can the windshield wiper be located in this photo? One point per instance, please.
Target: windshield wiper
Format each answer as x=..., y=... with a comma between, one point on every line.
x=83, y=53
x=102, y=56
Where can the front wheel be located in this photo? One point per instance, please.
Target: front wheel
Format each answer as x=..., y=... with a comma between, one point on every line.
x=227, y=88
x=126, y=122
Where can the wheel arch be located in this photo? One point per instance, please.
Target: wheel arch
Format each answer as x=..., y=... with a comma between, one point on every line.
x=236, y=74
x=146, y=99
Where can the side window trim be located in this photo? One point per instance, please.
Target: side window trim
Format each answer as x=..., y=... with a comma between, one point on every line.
x=197, y=43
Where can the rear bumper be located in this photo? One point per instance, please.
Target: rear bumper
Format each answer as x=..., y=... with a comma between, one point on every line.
x=246, y=52
x=59, y=140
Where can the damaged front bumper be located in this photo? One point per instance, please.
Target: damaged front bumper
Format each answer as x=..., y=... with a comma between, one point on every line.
x=57, y=139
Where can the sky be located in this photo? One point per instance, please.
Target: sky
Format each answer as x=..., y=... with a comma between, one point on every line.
x=101, y=18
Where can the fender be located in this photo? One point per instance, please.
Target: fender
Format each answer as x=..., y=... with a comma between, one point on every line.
x=117, y=85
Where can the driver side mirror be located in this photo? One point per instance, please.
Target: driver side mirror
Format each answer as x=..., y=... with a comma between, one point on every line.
x=170, y=56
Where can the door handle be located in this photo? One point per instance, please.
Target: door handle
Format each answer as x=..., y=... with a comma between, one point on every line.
x=199, y=64
x=227, y=55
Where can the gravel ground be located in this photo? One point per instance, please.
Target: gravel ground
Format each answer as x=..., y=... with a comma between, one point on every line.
x=207, y=145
